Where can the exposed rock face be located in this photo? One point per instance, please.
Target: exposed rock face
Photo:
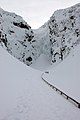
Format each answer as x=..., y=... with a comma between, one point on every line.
x=64, y=27
x=56, y=38
x=18, y=37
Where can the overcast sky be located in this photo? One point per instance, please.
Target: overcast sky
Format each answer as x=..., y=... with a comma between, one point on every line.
x=35, y=12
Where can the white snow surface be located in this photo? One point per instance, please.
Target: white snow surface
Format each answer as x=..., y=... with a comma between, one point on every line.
x=66, y=75
x=24, y=96
x=42, y=63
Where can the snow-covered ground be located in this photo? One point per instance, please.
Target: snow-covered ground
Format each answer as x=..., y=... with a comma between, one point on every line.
x=66, y=75
x=24, y=96
x=42, y=63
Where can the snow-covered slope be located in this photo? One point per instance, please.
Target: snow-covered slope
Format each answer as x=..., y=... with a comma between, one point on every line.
x=24, y=96
x=66, y=76
x=20, y=40
x=16, y=35
x=64, y=27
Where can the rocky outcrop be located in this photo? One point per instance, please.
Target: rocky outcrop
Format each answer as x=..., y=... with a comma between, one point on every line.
x=18, y=37
x=64, y=32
